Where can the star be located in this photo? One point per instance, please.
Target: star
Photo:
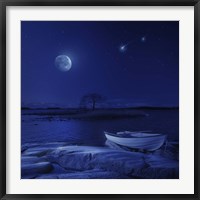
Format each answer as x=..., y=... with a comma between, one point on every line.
x=143, y=39
x=123, y=48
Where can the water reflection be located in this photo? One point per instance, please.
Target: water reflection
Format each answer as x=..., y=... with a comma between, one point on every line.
x=90, y=132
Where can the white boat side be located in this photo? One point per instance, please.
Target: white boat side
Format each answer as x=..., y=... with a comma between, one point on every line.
x=149, y=142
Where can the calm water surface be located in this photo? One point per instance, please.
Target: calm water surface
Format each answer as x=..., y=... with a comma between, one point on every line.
x=36, y=128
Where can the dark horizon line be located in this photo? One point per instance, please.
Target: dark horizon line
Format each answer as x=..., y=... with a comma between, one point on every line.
x=105, y=108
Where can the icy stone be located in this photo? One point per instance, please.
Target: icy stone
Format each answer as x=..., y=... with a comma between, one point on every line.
x=48, y=176
x=85, y=158
x=35, y=168
x=31, y=160
x=158, y=167
x=37, y=151
x=91, y=175
x=73, y=162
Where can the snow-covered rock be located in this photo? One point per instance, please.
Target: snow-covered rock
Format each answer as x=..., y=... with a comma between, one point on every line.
x=95, y=162
x=31, y=159
x=131, y=164
x=35, y=168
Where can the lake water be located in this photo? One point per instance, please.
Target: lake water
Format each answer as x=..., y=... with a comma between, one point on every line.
x=39, y=128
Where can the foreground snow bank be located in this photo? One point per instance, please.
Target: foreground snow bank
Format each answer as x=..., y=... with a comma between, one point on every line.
x=70, y=162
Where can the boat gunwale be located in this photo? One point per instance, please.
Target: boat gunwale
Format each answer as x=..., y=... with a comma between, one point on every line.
x=127, y=136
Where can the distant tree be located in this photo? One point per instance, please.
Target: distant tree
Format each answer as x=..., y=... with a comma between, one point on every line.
x=91, y=100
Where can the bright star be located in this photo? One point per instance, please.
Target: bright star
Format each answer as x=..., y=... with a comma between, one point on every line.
x=143, y=39
x=123, y=48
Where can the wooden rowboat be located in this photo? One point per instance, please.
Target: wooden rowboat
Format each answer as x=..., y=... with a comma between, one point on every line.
x=137, y=140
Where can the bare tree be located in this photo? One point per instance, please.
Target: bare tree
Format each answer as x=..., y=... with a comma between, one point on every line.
x=91, y=100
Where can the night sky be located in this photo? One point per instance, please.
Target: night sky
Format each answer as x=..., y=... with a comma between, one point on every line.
x=130, y=63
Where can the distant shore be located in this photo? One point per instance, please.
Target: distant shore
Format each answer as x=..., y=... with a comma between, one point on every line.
x=99, y=113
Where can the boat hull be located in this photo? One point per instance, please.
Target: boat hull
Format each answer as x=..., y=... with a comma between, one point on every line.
x=144, y=143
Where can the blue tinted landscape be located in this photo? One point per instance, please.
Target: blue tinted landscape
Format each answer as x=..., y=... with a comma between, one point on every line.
x=100, y=100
